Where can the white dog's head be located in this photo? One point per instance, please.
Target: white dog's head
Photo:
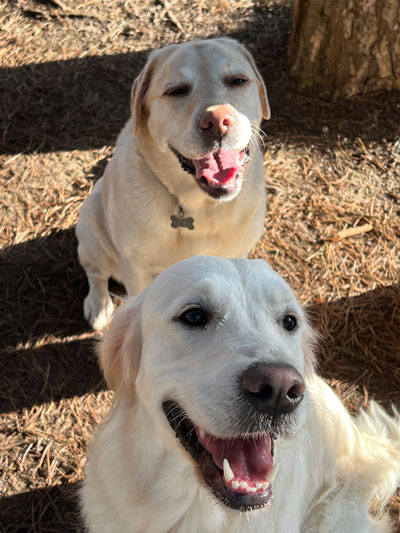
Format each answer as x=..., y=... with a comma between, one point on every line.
x=200, y=103
x=216, y=350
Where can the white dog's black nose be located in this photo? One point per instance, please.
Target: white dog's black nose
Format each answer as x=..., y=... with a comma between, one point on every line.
x=273, y=389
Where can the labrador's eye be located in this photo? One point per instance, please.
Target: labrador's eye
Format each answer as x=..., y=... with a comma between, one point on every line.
x=289, y=322
x=239, y=80
x=196, y=317
x=181, y=90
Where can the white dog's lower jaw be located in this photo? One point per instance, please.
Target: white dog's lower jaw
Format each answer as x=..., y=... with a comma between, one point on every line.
x=218, y=173
x=239, y=472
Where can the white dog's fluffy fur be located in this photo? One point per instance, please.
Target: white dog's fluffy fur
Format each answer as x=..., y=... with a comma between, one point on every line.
x=124, y=228
x=139, y=477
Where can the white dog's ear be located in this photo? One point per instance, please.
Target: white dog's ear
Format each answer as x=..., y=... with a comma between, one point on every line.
x=308, y=342
x=121, y=347
x=138, y=93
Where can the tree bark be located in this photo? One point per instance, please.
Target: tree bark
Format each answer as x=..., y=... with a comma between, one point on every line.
x=341, y=48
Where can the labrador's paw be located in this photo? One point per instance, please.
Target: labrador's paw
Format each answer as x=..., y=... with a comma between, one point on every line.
x=98, y=310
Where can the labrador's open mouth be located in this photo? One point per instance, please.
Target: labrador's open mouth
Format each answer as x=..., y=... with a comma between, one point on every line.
x=238, y=471
x=218, y=173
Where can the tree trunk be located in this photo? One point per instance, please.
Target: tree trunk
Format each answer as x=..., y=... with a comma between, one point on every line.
x=340, y=48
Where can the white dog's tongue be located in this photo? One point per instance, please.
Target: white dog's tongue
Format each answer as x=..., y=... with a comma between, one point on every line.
x=218, y=167
x=250, y=459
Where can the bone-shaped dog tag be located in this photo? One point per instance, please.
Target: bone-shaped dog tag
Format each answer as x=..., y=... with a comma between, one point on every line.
x=181, y=221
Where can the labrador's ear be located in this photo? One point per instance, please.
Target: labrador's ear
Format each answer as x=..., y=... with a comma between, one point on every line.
x=120, y=350
x=138, y=93
x=262, y=90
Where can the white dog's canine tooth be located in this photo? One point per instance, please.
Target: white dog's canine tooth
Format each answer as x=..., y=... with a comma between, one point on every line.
x=272, y=473
x=228, y=474
x=265, y=485
x=243, y=485
x=202, y=433
x=235, y=484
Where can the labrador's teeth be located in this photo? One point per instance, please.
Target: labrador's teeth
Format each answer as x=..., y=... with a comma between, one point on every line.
x=228, y=474
x=243, y=485
x=272, y=473
x=235, y=484
x=251, y=489
x=259, y=486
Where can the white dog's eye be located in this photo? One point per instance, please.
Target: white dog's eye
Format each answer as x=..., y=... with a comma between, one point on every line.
x=289, y=322
x=195, y=317
x=181, y=90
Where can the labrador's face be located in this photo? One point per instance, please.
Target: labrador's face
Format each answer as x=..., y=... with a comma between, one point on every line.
x=204, y=102
x=224, y=350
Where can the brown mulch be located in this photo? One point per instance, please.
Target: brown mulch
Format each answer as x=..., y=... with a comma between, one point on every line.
x=331, y=228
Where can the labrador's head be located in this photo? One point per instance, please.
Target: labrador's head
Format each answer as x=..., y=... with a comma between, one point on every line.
x=201, y=103
x=217, y=351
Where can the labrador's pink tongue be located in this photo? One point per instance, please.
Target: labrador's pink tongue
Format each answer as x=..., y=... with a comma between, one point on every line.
x=218, y=167
x=249, y=459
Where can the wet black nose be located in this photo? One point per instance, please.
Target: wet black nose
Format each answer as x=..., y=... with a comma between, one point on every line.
x=273, y=389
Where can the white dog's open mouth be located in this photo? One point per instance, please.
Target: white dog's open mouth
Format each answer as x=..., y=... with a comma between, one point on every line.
x=239, y=471
x=218, y=173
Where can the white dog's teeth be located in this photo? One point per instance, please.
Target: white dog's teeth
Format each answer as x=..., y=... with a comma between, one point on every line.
x=235, y=484
x=272, y=473
x=251, y=489
x=243, y=485
x=259, y=486
x=228, y=474
x=202, y=433
x=265, y=485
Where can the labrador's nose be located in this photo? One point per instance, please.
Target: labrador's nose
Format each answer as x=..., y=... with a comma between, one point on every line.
x=216, y=121
x=273, y=389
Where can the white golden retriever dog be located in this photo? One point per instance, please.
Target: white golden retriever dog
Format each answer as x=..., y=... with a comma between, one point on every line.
x=219, y=422
x=187, y=176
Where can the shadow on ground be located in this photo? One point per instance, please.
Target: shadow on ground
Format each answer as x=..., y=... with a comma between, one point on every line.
x=42, y=290
x=52, y=509
x=350, y=349
x=42, y=286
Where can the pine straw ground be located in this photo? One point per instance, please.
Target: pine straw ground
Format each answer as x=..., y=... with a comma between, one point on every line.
x=66, y=71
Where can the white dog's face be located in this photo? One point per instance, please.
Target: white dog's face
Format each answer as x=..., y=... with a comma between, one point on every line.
x=220, y=348
x=203, y=102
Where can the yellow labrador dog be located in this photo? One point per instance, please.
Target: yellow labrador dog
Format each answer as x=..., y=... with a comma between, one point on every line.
x=187, y=175
x=219, y=422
